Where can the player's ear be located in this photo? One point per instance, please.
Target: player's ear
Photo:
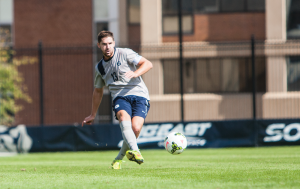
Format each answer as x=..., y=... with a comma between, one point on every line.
x=98, y=44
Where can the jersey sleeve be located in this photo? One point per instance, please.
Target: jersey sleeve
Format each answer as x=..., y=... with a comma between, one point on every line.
x=132, y=57
x=98, y=82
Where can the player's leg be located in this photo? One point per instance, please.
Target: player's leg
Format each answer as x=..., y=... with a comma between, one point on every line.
x=122, y=108
x=137, y=124
x=126, y=129
x=140, y=110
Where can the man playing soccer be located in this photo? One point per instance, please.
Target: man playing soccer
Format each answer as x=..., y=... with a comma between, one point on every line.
x=118, y=71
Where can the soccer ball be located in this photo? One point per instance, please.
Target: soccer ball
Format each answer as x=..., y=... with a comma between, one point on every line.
x=175, y=143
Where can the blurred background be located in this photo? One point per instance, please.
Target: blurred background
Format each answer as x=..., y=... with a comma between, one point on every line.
x=223, y=60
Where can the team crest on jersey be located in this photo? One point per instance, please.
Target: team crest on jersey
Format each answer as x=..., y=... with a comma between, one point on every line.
x=119, y=63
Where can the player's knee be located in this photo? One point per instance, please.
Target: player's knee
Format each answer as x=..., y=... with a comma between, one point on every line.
x=123, y=116
x=136, y=129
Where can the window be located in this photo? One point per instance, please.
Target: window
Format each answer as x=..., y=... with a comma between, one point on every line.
x=241, y=5
x=133, y=25
x=100, y=26
x=232, y=5
x=191, y=7
x=206, y=6
x=256, y=5
x=6, y=17
x=293, y=19
x=170, y=16
x=100, y=16
x=170, y=25
x=214, y=75
x=5, y=31
x=293, y=73
x=100, y=9
x=134, y=12
x=169, y=6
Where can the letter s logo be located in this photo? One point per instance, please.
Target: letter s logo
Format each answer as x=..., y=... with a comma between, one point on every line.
x=279, y=131
x=274, y=132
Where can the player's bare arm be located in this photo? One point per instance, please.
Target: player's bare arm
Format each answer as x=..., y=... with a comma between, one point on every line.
x=143, y=66
x=96, y=100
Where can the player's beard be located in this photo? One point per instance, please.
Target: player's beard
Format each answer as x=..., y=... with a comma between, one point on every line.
x=108, y=53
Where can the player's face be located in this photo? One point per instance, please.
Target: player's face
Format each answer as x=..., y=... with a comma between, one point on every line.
x=107, y=46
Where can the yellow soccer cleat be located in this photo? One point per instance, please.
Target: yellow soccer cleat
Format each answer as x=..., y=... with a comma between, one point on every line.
x=116, y=164
x=135, y=156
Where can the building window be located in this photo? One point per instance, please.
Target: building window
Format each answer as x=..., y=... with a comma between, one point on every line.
x=100, y=9
x=6, y=18
x=5, y=31
x=232, y=5
x=191, y=7
x=293, y=73
x=134, y=12
x=214, y=75
x=133, y=24
x=100, y=26
x=213, y=6
x=206, y=6
x=255, y=5
x=170, y=16
x=170, y=24
x=293, y=19
x=101, y=17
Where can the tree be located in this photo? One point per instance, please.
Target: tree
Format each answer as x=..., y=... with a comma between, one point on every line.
x=11, y=81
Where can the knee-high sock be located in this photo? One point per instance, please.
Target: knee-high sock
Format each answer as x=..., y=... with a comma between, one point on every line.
x=128, y=135
x=122, y=152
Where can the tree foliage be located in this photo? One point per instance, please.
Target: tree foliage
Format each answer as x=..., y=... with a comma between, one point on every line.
x=11, y=81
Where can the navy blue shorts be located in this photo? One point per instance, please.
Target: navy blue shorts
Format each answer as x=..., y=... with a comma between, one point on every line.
x=133, y=105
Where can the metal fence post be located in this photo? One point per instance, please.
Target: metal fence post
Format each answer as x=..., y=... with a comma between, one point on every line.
x=255, y=126
x=40, y=50
x=180, y=59
x=253, y=76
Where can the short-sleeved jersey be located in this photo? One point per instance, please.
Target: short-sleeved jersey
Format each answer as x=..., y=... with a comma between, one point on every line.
x=111, y=73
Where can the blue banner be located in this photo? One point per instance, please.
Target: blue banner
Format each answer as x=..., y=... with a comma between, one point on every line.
x=279, y=132
x=200, y=134
x=216, y=134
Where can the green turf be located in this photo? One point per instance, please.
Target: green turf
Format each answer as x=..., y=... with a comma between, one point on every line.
x=273, y=167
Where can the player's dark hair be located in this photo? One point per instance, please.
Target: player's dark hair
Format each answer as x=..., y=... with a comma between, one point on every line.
x=104, y=34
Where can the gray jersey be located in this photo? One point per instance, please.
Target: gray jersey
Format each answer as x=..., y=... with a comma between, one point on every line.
x=111, y=73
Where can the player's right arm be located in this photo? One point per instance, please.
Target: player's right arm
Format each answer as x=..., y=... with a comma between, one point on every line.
x=96, y=100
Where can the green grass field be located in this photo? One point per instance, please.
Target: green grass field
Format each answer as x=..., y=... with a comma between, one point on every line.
x=273, y=167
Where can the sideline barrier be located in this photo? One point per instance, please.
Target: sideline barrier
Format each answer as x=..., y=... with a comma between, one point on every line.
x=279, y=132
x=242, y=133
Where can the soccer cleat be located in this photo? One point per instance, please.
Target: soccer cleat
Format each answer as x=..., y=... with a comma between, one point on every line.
x=135, y=156
x=116, y=164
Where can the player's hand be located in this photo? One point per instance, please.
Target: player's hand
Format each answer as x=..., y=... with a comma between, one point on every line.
x=88, y=120
x=131, y=74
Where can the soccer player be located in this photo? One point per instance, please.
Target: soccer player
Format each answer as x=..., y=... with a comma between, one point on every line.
x=121, y=70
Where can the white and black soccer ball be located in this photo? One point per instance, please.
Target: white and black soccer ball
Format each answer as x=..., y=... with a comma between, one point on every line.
x=175, y=143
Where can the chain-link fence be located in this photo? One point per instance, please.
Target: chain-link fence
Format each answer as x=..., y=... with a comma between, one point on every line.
x=218, y=82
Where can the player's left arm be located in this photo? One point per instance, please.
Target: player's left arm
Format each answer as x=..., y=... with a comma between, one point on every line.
x=144, y=66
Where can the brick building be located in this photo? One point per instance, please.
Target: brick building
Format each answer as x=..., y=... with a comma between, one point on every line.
x=216, y=54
